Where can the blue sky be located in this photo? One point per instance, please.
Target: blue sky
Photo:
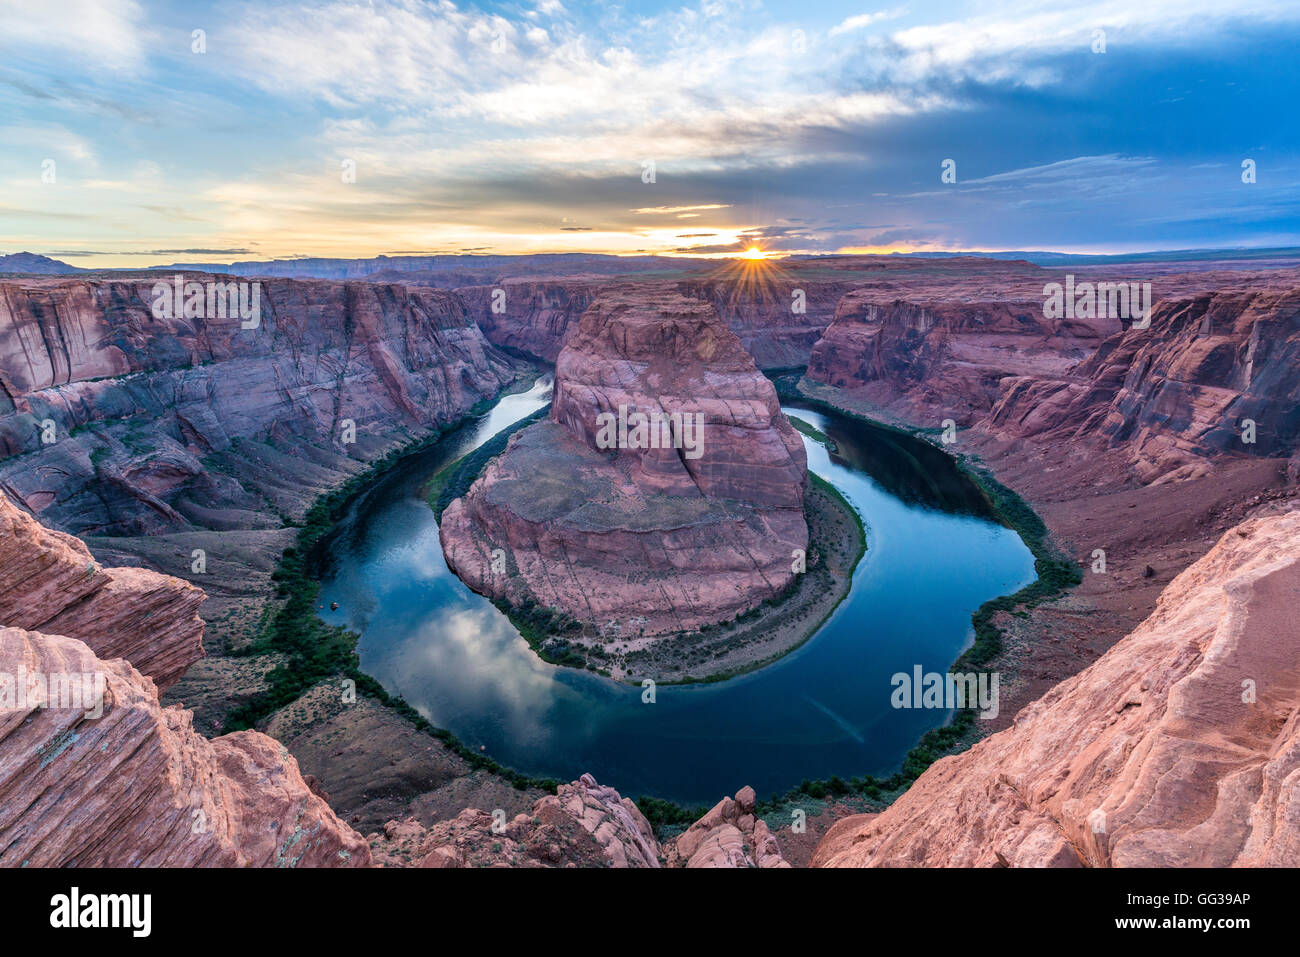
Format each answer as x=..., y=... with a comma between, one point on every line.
x=523, y=127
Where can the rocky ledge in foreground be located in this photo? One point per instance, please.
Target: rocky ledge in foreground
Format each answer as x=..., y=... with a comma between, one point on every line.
x=1180, y=747
x=50, y=582
x=583, y=825
x=94, y=771
x=99, y=774
x=641, y=542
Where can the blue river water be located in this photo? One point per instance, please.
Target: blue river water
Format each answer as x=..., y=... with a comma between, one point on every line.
x=933, y=556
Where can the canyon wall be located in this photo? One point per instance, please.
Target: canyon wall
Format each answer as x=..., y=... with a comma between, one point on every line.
x=533, y=316
x=1178, y=394
x=114, y=422
x=50, y=583
x=971, y=340
x=757, y=302
x=641, y=542
x=1180, y=747
x=937, y=343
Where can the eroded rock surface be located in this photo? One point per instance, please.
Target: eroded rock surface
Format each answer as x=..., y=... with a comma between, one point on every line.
x=135, y=786
x=583, y=825
x=114, y=422
x=730, y=835
x=49, y=582
x=534, y=316
x=1179, y=747
x=1178, y=395
x=641, y=542
x=937, y=339
x=94, y=771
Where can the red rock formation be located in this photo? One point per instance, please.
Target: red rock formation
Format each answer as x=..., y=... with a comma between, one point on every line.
x=49, y=582
x=776, y=311
x=93, y=770
x=536, y=315
x=160, y=423
x=937, y=339
x=135, y=786
x=730, y=835
x=1179, y=747
x=640, y=348
x=648, y=541
x=583, y=825
x=1177, y=394
x=947, y=338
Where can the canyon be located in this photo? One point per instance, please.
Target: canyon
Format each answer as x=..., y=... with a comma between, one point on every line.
x=162, y=425
x=1123, y=697
x=191, y=445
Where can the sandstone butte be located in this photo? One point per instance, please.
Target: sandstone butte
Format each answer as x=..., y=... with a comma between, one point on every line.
x=135, y=785
x=1180, y=747
x=641, y=542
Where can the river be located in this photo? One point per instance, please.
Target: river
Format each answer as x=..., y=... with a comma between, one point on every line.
x=934, y=555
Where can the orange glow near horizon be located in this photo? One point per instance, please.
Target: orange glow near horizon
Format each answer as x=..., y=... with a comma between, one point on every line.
x=753, y=253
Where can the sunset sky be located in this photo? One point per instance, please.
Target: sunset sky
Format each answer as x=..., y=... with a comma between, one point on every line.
x=520, y=127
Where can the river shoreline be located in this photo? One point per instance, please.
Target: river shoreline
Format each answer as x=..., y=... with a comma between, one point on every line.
x=759, y=637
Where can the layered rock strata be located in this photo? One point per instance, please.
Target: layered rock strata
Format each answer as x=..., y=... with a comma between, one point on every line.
x=49, y=582
x=641, y=541
x=94, y=771
x=924, y=342
x=117, y=780
x=1213, y=376
x=777, y=313
x=947, y=337
x=533, y=316
x=116, y=422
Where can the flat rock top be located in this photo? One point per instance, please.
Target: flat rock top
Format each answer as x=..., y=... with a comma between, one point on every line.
x=549, y=475
x=655, y=324
x=958, y=281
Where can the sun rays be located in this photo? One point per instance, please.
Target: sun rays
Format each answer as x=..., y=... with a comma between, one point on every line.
x=752, y=279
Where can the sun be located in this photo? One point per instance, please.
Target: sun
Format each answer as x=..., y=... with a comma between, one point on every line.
x=753, y=252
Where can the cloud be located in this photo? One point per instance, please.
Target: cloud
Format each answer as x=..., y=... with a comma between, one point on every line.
x=862, y=20
x=680, y=209
x=102, y=32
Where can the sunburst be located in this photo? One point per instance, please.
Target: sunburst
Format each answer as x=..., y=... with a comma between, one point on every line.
x=752, y=279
